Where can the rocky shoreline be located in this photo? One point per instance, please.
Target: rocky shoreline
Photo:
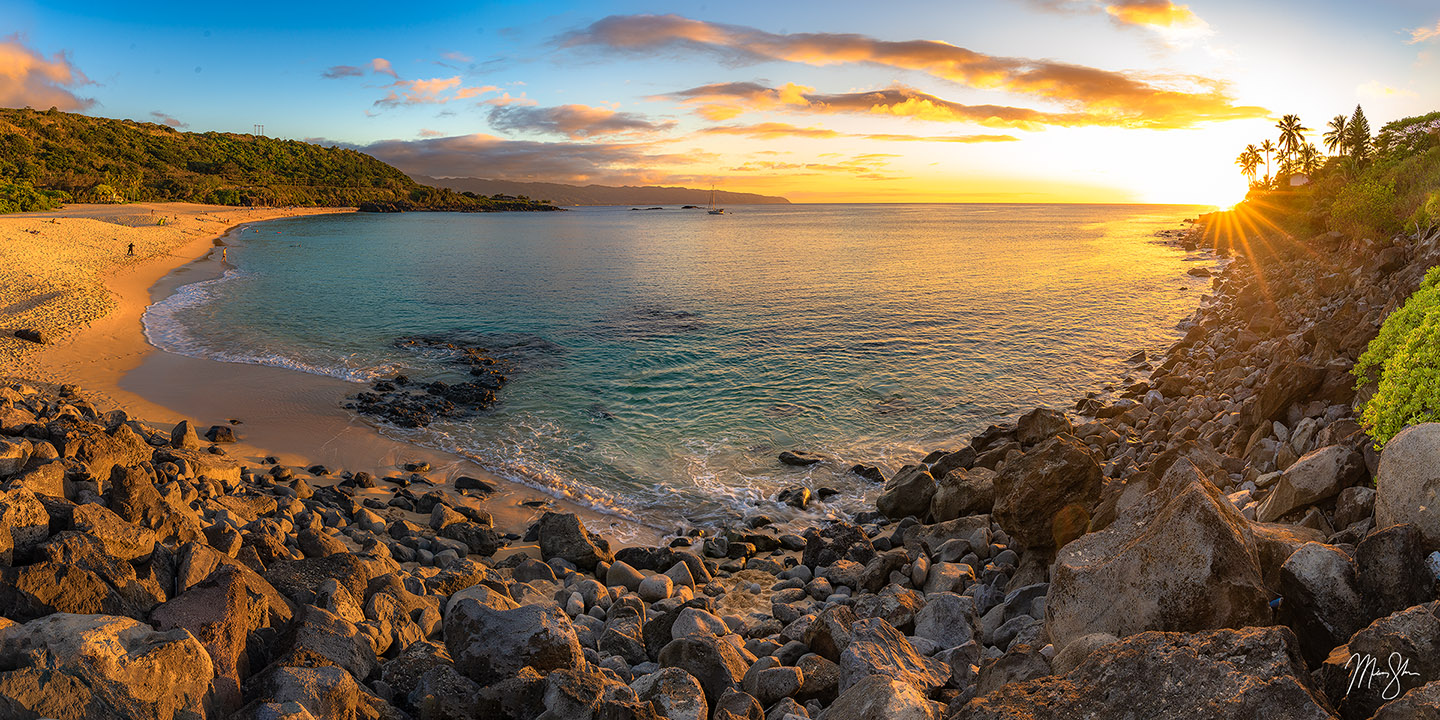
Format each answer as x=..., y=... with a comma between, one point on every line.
x=1201, y=543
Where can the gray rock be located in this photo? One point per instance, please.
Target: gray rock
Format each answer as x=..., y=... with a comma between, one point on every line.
x=1321, y=599
x=674, y=692
x=1078, y=650
x=1410, y=637
x=1409, y=480
x=829, y=633
x=909, y=492
x=877, y=648
x=1182, y=559
x=1041, y=424
x=1223, y=674
x=562, y=535
x=489, y=645
x=963, y=492
x=881, y=698
x=96, y=666
x=1045, y=498
x=1319, y=475
x=717, y=664
x=1391, y=570
x=620, y=574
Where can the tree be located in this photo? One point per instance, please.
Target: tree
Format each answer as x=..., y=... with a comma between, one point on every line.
x=1358, y=135
x=1309, y=158
x=1335, y=139
x=1292, y=136
x=1267, y=147
x=1249, y=162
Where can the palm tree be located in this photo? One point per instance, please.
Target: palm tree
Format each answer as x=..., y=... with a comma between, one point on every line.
x=1267, y=147
x=1248, y=161
x=1309, y=158
x=1335, y=138
x=1291, y=135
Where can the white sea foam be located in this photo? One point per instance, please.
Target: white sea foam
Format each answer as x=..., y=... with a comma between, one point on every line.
x=165, y=328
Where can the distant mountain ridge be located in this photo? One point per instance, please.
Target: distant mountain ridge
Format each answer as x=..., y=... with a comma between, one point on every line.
x=561, y=194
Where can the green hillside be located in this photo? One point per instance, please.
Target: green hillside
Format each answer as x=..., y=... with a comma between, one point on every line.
x=49, y=157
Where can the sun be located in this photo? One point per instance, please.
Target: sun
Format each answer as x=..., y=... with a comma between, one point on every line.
x=1189, y=186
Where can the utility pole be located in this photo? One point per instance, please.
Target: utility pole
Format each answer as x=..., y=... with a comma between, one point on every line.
x=259, y=130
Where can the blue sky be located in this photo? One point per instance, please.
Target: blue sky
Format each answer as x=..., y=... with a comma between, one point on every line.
x=588, y=92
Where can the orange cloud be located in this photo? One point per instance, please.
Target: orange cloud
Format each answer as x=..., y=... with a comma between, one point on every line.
x=382, y=66
x=778, y=130
x=28, y=79
x=1131, y=99
x=1153, y=13
x=1424, y=34
x=573, y=121
x=437, y=91
x=726, y=100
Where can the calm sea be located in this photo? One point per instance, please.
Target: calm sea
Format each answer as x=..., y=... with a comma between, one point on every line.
x=661, y=359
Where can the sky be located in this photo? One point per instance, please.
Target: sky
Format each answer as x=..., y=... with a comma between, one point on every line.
x=1111, y=101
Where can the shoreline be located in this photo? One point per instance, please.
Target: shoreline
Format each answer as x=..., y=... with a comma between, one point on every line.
x=1217, y=502
x=297, y=420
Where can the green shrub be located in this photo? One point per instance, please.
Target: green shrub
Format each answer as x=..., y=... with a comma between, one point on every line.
x=1365, y=207
x=1405, y=360
x=24, y=197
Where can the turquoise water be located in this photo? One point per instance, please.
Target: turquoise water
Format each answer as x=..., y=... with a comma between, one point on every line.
x=662, y=359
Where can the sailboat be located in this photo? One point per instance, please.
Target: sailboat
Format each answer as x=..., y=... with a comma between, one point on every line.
x=714, y=210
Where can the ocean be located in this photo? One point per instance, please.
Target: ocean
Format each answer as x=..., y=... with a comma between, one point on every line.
x=658, y=361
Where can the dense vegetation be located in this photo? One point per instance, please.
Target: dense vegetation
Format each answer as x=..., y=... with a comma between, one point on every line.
x=50, y=157
x=1384, y=187
x=1379, y=187
x=1404, y=359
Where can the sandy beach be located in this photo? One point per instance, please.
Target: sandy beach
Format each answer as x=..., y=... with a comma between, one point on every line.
x=68, y=274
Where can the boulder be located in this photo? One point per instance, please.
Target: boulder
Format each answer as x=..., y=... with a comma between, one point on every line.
x=490, y=645
x=1409, y=480
x=184, y=437
x=1321, y=599
x=1041, y=424
x=1045, y=498
x=881, y=698
x=1422, y=703
x=675, y=693
x=562, y=535
x=237, y=617
x=908, y=492
x=120, y=539
x=482, y=540
x=799, y=458
x=1180, y=559
x=829, y=633
x=1405, y=645
x=1316, y=477
x=14, y=454
x=96, y=666
x=877, y=648
x=1392, y=574
x=963, y=492
x=100, y=451
x=717, y=664
x=23, y=523
x=837, y=541
x=319, y=637
x=1219, y=675
x=947, y=620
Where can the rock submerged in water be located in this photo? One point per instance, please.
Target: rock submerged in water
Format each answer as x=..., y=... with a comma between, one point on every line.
x=799, y=458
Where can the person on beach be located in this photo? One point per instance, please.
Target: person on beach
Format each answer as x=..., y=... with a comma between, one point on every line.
x=223, y=252
x=132, y=249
